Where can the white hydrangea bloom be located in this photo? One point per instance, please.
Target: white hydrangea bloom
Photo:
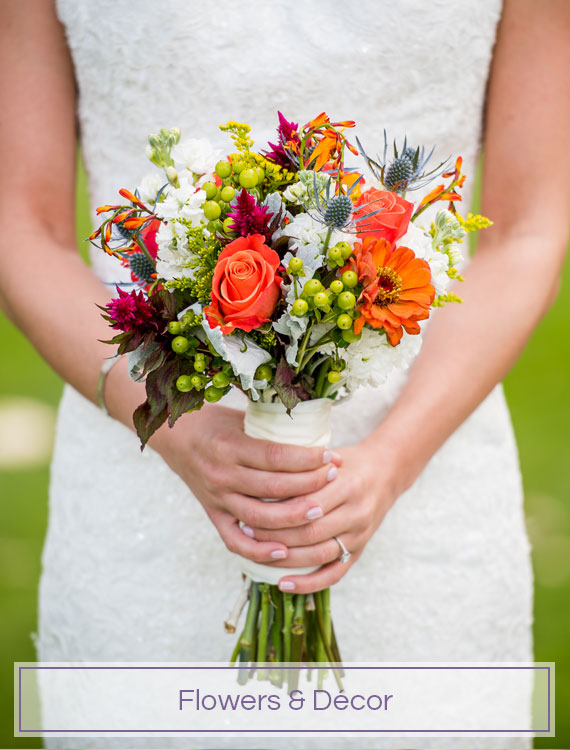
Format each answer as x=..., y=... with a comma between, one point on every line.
x=197, y=154
x=150, y=185
x=173, y=251
x=420, y=242
x=371, y=359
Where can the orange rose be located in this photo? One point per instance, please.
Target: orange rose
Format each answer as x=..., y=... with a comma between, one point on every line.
x=392, y=220
x=245, y=285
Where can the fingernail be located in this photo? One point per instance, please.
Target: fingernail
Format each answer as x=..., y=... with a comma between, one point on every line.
x=332, y=473
x=286, y=586
x=248, y=531
x=278, y=554
x=329, y=456
x=314, y=513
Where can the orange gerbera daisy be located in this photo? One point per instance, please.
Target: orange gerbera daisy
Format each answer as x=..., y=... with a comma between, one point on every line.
x=397, y=288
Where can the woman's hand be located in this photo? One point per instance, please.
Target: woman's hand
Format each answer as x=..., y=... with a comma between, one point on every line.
x=355, y=504
x=228, y=472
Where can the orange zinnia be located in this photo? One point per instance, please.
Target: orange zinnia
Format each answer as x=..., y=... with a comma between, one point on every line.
x=397, y=288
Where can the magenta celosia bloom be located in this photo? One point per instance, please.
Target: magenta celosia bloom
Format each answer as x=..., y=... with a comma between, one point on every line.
x=248, y=216
x=283, y=152
x=131, y=310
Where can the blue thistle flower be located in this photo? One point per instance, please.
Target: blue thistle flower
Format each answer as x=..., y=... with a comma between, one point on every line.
x=337, y=211
x=407, y=170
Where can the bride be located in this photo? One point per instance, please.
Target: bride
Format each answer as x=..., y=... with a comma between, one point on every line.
x=423, y=486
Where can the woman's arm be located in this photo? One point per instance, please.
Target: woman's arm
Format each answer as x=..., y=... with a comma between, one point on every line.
x=509, y=285
x=51, y=295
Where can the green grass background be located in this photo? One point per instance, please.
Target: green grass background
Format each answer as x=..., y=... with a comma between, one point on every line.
x=538, y=391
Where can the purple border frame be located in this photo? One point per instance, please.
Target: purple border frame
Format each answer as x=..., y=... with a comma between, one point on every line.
x=201, y=732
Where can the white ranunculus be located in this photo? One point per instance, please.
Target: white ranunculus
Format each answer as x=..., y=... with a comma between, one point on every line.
x=420, y=242
x=173, y=251
x=197, y=154
x=150, y=185
x=243, y=354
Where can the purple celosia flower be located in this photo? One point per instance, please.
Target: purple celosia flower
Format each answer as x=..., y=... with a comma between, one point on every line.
x=283, y=152
x=248, y=216
x=131, y=310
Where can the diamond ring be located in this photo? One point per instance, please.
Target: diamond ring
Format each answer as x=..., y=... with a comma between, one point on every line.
x=345, y=555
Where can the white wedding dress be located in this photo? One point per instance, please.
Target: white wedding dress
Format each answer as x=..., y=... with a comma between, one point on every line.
x=132, y=567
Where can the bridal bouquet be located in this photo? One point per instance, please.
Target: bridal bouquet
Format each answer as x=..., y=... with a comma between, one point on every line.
x=291, y=276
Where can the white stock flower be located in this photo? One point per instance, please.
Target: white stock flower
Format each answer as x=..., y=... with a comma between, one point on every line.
x=420, y=242
x=184, y=202
x=371, y=359
x=197, y=154
x=173, y=251
x=150, y=185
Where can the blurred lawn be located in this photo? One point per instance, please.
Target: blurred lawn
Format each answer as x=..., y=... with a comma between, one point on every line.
x=538, y=390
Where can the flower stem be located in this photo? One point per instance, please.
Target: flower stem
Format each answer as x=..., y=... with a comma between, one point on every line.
x=248, y=636
x=287, y=622
x=324, y=623
x=276, y=674
x=297, y=640
x=263, y=634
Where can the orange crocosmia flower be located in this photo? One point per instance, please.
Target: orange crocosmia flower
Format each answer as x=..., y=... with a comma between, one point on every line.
x=397, y=288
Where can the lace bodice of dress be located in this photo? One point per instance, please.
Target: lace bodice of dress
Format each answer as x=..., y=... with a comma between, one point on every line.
x=411, y=67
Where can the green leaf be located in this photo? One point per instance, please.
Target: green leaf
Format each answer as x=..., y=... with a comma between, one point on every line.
x=288, y=391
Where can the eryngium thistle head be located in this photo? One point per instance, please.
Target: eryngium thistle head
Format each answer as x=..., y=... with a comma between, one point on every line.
x=338, y=211
x=126, y=234
x=141, y=267
x=399, y=172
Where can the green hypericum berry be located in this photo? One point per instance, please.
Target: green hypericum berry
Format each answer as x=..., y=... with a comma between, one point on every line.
x=260, y=172
x=228, y=225
x=199, y=364
x=180, y=344
x=248, y=178
x=220, y=380
x=184, y=383
x=346, y=301
x=345, y=249
x=349, y=279
x=295, y=265
x=312, y=287
x=333, y=376
x=175, y=327
x=335, y=254
x=321, y=299
x=344, y=322
x=264, y=372
x=213, y=394
x=238, y=166
x=228, y=194
x=223, y=169
x=198, y=381
x=349, y=336
x=212, y=210
x=211, y=189
x=299, y=308
x=336, y=286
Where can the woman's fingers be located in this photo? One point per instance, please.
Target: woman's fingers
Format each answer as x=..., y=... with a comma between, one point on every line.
x=236, y=541
x=318, y=554
x=321, y=579
x=267, y=456
x=315, y=532
x=279, y=485
x=255, y=513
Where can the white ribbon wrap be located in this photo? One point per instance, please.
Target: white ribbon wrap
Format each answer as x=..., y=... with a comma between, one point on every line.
x=309, y=426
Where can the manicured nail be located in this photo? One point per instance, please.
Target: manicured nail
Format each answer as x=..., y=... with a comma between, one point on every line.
x=329, y=456
x=332, y=473
x=248, y=531
x=286, y=586
x=314, y=513
x=278, y=554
